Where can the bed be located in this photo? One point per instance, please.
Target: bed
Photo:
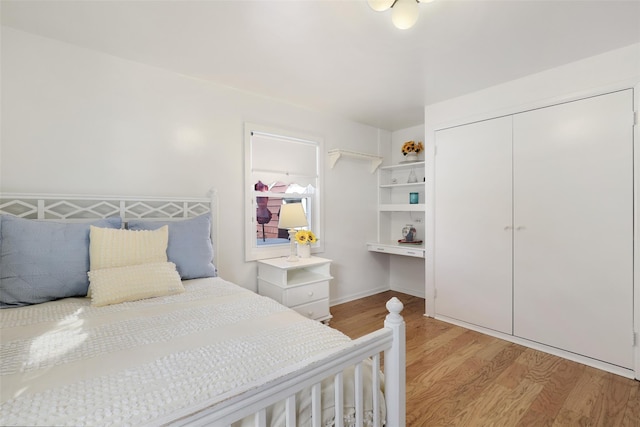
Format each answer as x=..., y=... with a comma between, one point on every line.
x=202, y=351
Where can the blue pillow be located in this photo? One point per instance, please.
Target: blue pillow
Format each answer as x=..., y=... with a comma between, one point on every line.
x=190, y=247
x=43, y=261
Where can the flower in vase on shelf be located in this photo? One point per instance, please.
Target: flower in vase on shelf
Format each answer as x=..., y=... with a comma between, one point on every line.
x=410, y=149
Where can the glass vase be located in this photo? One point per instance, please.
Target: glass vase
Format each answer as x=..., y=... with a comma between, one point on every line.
x=412, y=177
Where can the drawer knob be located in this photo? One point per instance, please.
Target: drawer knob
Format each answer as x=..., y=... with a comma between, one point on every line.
x=310, y=314
x=310, y=293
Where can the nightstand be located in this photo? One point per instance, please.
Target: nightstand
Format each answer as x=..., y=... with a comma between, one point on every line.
x=302, y=285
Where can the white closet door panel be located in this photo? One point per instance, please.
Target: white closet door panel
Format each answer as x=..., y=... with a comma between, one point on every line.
x=473, y=210
x=573, y=218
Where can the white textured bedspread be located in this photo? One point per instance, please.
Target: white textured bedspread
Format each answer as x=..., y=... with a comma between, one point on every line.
x=149, y=361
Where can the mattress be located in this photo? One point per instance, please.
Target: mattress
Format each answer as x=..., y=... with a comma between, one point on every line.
x=151, y=361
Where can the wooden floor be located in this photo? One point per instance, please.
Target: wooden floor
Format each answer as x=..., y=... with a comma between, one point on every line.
x=458, y=377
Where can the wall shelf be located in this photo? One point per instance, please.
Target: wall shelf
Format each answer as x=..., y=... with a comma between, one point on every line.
x=395, y=212
x=405, y=165
x=408, y=184
x=401, y=207
x=416, y=251
x=334, y=156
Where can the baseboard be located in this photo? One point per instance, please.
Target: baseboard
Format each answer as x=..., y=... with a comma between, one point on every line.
x=359, y=295
x=627, y=373
x=412, y=292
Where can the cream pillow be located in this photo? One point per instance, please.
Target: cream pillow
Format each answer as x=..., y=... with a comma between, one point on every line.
x=110, y=248
x=134, y=282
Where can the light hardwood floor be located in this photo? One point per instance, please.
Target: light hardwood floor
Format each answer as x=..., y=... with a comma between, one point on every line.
x=459, y=377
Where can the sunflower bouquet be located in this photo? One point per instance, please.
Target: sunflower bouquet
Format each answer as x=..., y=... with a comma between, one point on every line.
x=305, y=237
x=412, y=147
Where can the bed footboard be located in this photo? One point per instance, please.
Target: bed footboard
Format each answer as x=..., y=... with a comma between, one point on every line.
x=389, y=340
x=395, y=366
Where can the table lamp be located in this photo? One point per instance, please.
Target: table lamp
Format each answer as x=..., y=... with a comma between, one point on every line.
x=292, y=216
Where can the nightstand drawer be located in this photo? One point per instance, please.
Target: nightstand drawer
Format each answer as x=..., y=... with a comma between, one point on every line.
x=308, y=293
x=314, y=310
x=302, y=285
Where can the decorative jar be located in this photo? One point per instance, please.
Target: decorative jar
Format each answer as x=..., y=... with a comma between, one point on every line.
x=409, y=233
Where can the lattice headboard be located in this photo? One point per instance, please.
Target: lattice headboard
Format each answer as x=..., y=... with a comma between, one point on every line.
x=70, y=208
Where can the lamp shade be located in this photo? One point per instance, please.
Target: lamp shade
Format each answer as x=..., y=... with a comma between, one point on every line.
x=292, y=216
x=405, y=14
x=380, y=5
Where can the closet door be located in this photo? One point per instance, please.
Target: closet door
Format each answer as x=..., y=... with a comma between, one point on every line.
x=472, y=224
x=573, y=218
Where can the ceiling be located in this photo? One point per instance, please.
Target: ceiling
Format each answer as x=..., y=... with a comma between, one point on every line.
x=339, y=55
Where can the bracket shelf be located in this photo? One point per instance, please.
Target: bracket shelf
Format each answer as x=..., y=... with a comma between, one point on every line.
x=335, y=154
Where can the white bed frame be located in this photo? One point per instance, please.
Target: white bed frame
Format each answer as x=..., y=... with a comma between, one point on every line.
x=389, y=340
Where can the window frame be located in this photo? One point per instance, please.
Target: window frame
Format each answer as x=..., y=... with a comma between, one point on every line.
x=254, y=252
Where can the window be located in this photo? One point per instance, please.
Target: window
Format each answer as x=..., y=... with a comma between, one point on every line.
x=280, y=167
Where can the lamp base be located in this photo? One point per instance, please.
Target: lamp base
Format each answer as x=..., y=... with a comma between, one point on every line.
x=293, y=257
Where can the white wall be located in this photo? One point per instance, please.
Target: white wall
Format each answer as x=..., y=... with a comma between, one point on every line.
x=613, y=70
x=610, y=70
x=79, y=121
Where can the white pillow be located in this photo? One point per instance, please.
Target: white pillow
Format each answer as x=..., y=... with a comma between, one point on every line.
x=110, y=248
x=134, y=282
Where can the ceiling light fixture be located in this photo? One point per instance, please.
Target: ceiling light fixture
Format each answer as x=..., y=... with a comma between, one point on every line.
x=404, y=13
